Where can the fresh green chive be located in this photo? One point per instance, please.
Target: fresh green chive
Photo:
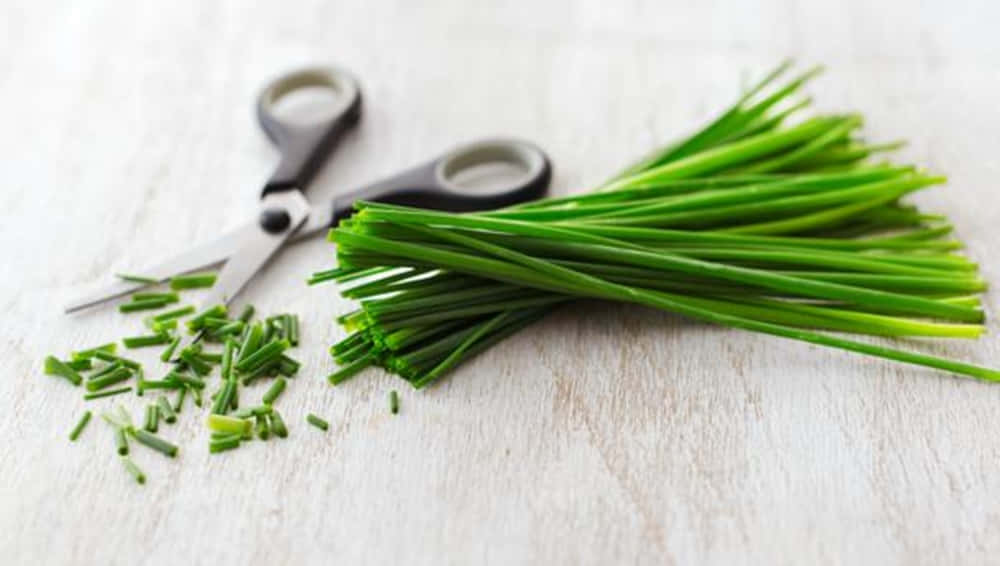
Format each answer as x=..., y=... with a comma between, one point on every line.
x=173, y=314
x=121, y=442
x=106, y=393
x=251, y=344
x=75, y=433
x=394, y=402
x=168, y=297
x=137, y=278
x=152, y=422
x=197, y=322
x=109, y=357
x=272, y=392
x=155, y=442
x=134, y=470
x=192, y=281
x=246, y=314
x=179, y=403
x=165, y=410
x=222, y=423
x=110, y=348
x=113, y=378
x=317, y=422
x=168, y=352
x=191, y=357
x=262, y=429
x=82, y=364
x=53, y=366
x=222, y=444
x=262, y=356
x=278, y=425
x=163, y=327
x=147, y=340
x=143, y=305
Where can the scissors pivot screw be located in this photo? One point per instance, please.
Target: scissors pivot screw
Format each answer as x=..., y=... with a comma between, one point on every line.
x=275, y=220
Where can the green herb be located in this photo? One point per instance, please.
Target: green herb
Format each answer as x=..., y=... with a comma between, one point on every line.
x=277, y=425
x=179, y=403
x=265, y=354
x=251, y=344
x=112, y=378
x=225, y=443
x=134, y=470
x=749, y=223
x=106, y=393
x=168, y=352
x=168, y=297
x=197, y=322
x=222, y=423
x=152, y=418
x=192, y=281
x=147, y=340
x=137, y=278
x=172, y=314
x=165, y=410
x=121, y=442
x=109, y=348
x=54, y=366
x=317, y=422
x=394, y=402
x=143, y=304
x=75, y=433
x=261, y=428
x=246, y=314
x=155, y=442
x=82, y=364
x=193, y=360
x=224, y=399
x=163, y=327
x=274, y=391
x=110, y=357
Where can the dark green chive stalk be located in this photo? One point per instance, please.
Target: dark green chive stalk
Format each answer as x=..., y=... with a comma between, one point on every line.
x=753, y=222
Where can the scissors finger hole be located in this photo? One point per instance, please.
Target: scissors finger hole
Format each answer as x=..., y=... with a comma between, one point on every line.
x=490, y=168
x=308, y=97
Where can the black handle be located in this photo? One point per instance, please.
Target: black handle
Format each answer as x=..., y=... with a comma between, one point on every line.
x=431, y=184
x=304, y=147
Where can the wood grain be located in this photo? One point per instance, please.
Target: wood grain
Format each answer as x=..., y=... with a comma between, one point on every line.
x=603, y=435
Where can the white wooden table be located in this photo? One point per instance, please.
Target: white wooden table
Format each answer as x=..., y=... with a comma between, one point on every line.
x=603, y=435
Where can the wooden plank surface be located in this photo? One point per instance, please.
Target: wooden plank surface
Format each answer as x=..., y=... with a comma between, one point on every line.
x=603, y=435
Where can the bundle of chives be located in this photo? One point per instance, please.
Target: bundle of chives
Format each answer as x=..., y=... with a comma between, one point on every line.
x=749, y=223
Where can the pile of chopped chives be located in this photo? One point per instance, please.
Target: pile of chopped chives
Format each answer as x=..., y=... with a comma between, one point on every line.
x=248, y=351
x=752, y=222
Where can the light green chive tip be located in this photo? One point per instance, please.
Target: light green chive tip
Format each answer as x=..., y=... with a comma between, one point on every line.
x=75, y=433
x=139, y=476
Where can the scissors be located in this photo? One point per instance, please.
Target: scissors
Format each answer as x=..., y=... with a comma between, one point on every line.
x=285, y=215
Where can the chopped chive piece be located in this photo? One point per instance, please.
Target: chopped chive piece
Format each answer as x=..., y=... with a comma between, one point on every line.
x=139, y=476
x=222, y=444
x=185, y=379
x=115, y=377
x=246, y=314
x=105, y=370
x=83, y=364
x=394, y=402
x=192, y=281
x=224, y=398
x=152, y=418
x=168, y=353
x=169, y=297
x=106, y=393
x=196, y=364
x=251, y=344
x=137, y=278
x=317, y=422
x=126, y=417
x=262, y=356
x=224, y=435
x=222, y=423
x=121, y=442
x=163, y=327
x=229, y=329
x=197, y=322
x=109, y=348
x=209, y=357
x=169, y=384
x=75, y=433
x=262, y=429
x=166, y=411
x=196, y=393
x=293, y=329
x=173, y=314
x=228, y=350
x=147, y=340
x=278, y=425
x=179, y=403
x=143, y=305
x=109, y=357
x=272, y=393
x=155, y=442
x=54, y=366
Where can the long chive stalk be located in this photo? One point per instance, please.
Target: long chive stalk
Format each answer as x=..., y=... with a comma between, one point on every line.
x=750, y=223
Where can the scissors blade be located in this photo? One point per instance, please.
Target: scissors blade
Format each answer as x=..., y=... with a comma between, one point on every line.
x=203, y=255
x=257, y=246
